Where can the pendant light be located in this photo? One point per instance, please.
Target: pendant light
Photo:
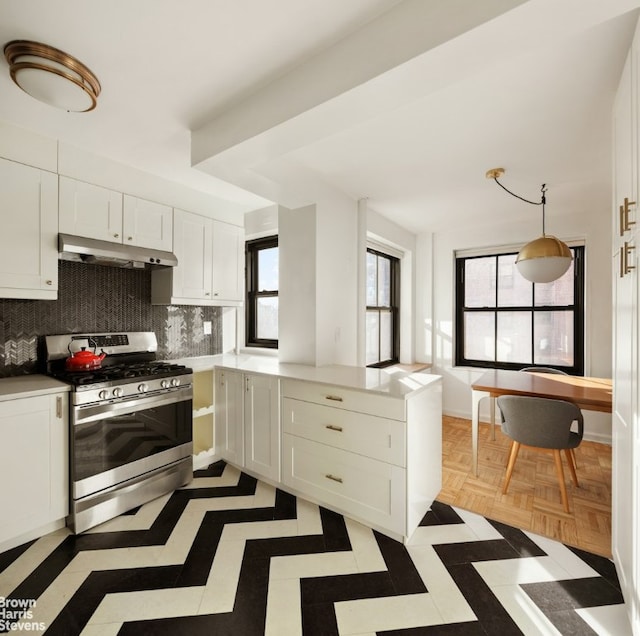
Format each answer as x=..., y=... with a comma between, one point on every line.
x=52, y=76
x=546, y=258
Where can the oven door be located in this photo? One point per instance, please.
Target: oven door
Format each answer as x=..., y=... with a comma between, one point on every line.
x=115, y=442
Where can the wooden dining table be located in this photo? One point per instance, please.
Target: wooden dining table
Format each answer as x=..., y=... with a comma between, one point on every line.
x=591, y=394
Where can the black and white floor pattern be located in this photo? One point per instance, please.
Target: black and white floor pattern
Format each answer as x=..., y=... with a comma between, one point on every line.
x=232, y=556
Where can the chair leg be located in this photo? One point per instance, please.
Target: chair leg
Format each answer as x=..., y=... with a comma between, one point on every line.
x=572, y=466
x=563, y=488
x=515, y=447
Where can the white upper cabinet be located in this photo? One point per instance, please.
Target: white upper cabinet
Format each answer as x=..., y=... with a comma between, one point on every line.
x=28, y=243
x=210, y=264
x=89, y=210
x=147, y=224
x=96, y=212
x=228, y=261
x=191, y=278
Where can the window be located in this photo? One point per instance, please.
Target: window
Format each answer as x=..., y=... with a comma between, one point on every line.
x=383, y=294
x=505, y=322
x=262, y=292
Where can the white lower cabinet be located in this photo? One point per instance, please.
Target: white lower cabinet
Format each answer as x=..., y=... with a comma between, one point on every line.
x=262, y=425
x=375, y=458
x=229, y=423
x=247, y=421
x=34, y=443
x=361, y=487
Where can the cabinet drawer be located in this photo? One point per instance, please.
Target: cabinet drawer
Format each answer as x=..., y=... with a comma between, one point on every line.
x=342, y=398
x=367, y=435
x=365, y=488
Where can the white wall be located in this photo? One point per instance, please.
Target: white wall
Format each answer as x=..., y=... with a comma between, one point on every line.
x=297, y=333
x=591, y=225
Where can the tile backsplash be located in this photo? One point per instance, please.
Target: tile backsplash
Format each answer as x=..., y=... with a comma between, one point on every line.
x=95, y=298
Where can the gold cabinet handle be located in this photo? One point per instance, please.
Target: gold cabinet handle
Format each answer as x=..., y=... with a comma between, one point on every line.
x=49, y=282
x=335, y=398
x=625, y=268
x=625, y=223
x=334, y=478
x=116, y=236
x=333, y=427
x=59, y=407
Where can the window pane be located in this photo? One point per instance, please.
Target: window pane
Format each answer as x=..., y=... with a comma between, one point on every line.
x=384, y=282
x=553, y=338
x=372, y=280
x=267, y=318
x=480, y=282
x=514, y=336
x=479, y=335
x=386, y=336
x=268, y=269
x=558, y=292
x=373, y=333
x=513, y=289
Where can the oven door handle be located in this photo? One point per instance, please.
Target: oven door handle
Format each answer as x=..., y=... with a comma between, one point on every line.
x=91, y=412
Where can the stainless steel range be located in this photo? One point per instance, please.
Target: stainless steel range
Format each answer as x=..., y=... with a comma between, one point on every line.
x=131, y=436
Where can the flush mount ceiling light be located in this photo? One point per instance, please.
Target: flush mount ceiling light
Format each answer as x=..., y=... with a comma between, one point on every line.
x=52, y=76
x=547, y=258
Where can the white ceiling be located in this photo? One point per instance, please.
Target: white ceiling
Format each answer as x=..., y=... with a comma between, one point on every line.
x=405, y=102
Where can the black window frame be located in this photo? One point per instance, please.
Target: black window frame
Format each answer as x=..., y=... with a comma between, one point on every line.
x=393, y=308
x=577, y=307
x=252, y=250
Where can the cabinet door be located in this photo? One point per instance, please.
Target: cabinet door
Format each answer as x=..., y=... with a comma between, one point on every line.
x=229, y=424
x=89, y=210
x=34, y=455
x=626, y=439
x=262, y=425
x=228, y=262
x=147, y=224
x=29, y=242
x=192, y=275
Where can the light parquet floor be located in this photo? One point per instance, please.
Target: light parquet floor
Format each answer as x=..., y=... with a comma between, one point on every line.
x=533, y=500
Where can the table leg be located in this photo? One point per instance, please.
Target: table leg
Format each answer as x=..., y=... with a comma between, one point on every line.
x=492, y=415
x=476, y=396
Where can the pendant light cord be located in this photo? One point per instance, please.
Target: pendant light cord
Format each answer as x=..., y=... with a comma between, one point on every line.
x=542, y=202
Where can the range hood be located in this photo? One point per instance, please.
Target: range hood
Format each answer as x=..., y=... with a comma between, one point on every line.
x=95, y=252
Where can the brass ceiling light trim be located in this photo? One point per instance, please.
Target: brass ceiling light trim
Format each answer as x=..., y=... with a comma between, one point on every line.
x=546, y=258
x=52, y=76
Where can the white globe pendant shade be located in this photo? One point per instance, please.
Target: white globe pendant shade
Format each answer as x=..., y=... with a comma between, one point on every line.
x=544, y=260
x=52, y=76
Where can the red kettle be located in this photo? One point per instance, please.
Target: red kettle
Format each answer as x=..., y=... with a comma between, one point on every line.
x=84, y=360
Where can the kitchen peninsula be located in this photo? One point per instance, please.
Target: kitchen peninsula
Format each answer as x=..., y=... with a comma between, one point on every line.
x=364, y=442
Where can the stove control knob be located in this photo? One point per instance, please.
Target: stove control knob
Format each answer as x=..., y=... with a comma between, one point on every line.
x=118, y=392
x=103, y=395
x=164, y=384
x=143, y=388
x=175, y=382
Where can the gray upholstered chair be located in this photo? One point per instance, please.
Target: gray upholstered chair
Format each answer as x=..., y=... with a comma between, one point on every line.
x=542, y=423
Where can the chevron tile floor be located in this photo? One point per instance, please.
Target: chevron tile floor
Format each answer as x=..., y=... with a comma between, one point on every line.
x=229, y=555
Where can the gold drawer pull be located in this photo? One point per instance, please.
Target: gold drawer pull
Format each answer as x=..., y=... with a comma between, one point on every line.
x=332, y=427
x=335, y=398
x=334, y=478
x=625, y=252
x=625, y=223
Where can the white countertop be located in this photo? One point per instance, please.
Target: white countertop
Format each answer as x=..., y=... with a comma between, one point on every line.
x=391, y=382
x=29, y=385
